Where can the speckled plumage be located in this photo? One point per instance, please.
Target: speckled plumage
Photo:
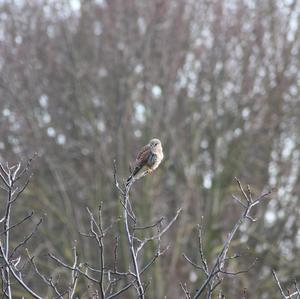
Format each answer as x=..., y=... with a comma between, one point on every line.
x=148, y=159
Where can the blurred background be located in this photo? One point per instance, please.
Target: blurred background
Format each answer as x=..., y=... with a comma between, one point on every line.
x=85, y=82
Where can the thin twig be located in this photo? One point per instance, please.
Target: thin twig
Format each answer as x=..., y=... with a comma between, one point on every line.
x=289, y=296
x=47, y=280
x=16, y=276
x=159, y=235
x=219, y=263
x=72, y=268
x=74, y=276
x=19, y=222
x=26, y=239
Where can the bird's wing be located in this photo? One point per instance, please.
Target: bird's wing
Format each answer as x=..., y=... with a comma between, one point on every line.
x=152, y=158
x=142, y=159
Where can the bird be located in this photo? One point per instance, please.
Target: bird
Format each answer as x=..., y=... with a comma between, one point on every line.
x=147, y=160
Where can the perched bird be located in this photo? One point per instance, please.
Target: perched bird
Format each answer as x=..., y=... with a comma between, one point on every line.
x=147, y=160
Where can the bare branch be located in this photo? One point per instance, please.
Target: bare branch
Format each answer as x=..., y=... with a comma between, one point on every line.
x=26, y=239
x=200, y=242
x=185, y=290
x=58, y=261
x=47, y=280
x=74, y=277
x=289, y=296
x=21, y=191
x=219, y=263
x=193, y=264
x=238, y=272
x=26, y=168
x=158, y=222
x=130, y=230
x=242, y=190
x=239, y=201
x=16, y=276
x=99, y=234
x=159, y=235
x=18, y=223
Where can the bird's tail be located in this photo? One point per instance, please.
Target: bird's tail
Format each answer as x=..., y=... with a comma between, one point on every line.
x=129, y=180
x=134, y=175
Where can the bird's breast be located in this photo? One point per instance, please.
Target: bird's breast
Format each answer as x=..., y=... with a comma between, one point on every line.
x=158, y=158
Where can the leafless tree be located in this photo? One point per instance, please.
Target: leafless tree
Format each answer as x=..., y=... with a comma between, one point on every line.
x=217, y=81
x=288, y=295
x=135, y=244
x=12, y=179
x=109, y=282
x=215, y=273
x=105, y=279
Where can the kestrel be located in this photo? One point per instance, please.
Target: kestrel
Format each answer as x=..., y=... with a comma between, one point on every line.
x=148, y=159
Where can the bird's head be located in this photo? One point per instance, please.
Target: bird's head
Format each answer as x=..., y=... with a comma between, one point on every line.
x=155, y=143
